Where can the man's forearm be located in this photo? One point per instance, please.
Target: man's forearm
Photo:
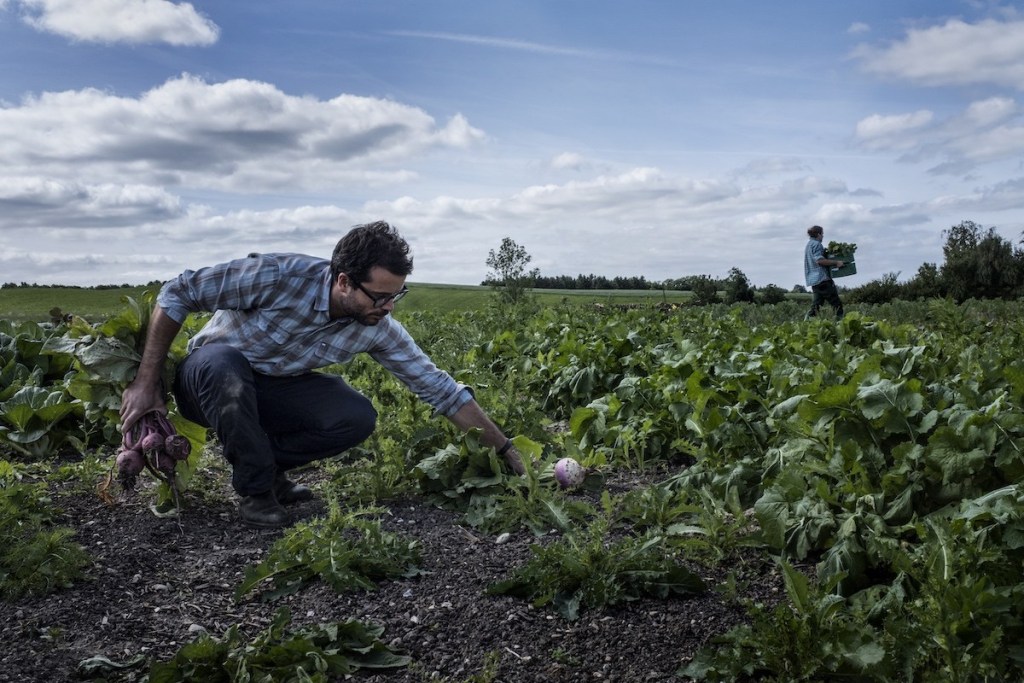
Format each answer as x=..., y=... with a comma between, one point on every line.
x=159, y=337
x=144, y=393
x=470, y=416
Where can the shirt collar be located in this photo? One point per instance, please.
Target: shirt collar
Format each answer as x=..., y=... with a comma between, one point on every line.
x=322, y=302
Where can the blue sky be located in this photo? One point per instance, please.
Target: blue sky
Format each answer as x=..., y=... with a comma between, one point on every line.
x=666, y=138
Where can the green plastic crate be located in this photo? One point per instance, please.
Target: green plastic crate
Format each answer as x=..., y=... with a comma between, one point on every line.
x=849, y=267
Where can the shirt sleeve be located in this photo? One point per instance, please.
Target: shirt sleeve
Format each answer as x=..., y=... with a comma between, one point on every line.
x=817, y=251
x=399, y=354
x=241, y=284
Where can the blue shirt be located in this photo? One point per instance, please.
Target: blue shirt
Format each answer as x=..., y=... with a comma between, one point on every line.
x=275, y=309
x=813, y=273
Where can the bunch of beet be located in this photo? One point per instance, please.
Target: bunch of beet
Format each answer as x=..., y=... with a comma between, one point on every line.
x=152, y=443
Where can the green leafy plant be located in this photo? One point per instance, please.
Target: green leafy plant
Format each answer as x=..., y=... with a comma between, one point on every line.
x=104, y=359
x=586, y=570
x=348, y=550
x=313, y=654
x=809, y=638
x=471, y=478
x=655, y=507
x=38, y=557
x=33, y=416
x=460, y=473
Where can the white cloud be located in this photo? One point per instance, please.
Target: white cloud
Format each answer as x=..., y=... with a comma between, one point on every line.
x=887, y=130
x=990, y=145
x=569, y=161
x=991, y=111
x=122, y=21
x=987, y=131
x=857, y=28
x=238, y=135
x=32, y=202
x=955, y=53
x=842, y=213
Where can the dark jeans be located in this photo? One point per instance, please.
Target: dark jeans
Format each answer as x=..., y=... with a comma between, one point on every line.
x=264, y=423
x=825, y=292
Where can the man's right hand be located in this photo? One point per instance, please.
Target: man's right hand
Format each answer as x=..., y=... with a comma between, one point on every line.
x=138, y=399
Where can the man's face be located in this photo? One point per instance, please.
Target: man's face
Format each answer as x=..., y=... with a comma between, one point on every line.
x=356, y=299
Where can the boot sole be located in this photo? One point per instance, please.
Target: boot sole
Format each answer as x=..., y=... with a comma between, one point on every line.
x=265, y=525
x=301, y=498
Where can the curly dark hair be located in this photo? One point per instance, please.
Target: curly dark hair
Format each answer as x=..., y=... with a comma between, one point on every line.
x=369, y=245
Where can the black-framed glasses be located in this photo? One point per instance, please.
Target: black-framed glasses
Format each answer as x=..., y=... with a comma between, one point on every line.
x=380, y=300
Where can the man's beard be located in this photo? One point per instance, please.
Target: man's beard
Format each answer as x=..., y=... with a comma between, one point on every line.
x=369, y=319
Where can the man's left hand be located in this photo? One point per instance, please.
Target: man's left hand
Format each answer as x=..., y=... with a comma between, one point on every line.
x=515, y=461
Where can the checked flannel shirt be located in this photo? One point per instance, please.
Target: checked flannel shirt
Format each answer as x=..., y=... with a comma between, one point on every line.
x=813, y=273
x=274, y=308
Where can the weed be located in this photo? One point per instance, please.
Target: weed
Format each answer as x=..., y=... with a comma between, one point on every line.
x=348, y=550
x=280, y=654
x=38, y=557
x=586, y=570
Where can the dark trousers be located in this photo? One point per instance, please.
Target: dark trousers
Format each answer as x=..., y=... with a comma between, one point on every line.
x=268, y=424
x=825, y=292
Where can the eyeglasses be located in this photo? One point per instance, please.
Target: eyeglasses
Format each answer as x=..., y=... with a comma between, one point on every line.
x=380, y=300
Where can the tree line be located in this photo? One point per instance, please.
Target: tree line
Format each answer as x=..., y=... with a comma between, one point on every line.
x=978, y=263
x=585, y=282
x=25, y=285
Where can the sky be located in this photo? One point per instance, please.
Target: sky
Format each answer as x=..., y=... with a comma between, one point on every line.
x=663, y=138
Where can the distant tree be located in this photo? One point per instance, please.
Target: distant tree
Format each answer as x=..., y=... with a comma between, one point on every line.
x=737, y=288
x=770, y=294
x=880, y=291
x=705, y=290
x=927, y=284
x=679, y=284
x=509, y=277
x=979, y=264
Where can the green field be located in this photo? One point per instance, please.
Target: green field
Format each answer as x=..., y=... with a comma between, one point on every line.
x=872, y=466
x=35, y=303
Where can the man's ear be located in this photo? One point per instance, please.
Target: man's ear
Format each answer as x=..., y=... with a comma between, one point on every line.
x=342, y=281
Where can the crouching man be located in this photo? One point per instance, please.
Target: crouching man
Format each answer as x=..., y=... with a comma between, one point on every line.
x=249, y=373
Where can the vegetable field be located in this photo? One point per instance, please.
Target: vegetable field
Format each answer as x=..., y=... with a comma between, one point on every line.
x=766, y=499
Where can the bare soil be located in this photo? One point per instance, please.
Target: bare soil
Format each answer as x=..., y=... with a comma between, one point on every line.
x=155, y=582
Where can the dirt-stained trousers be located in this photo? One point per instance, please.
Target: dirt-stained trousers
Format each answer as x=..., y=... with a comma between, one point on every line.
x=267, y=424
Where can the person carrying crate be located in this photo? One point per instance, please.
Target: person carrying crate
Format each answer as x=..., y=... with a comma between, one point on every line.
x=817, y=274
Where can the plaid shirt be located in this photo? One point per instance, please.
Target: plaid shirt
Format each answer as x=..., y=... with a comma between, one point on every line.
x=813, y=273
x=274, y=308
